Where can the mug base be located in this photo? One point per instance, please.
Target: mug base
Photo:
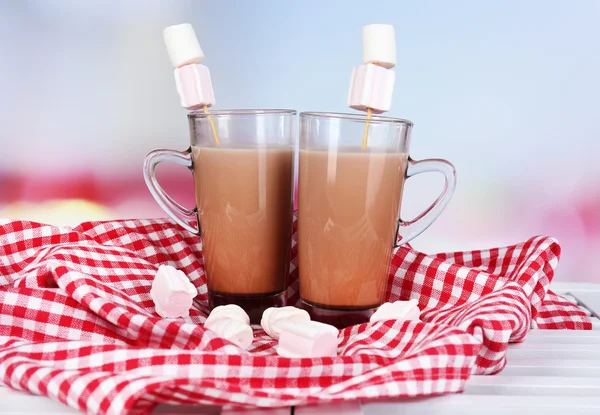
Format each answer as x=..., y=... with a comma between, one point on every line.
x=253, y=304
x=336, y=316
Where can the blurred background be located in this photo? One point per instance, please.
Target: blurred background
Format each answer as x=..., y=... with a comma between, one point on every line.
x=508, y=91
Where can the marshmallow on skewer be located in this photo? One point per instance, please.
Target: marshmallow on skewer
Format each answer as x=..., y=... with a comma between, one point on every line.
x=194, y=86
x=274, y=318
x=398, y=310
x=307, y=339
x=379, y=45
x=172, y=292
x=182, y=45
x=192, y=79
x=372, y=84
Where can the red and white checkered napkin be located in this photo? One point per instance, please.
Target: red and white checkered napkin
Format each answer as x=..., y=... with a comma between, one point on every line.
x=77, y=324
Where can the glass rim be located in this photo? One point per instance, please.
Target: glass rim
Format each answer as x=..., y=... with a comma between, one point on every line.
x=240, y=112
x=357, y=117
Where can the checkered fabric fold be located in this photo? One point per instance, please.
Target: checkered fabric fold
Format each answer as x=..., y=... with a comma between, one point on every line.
x=77, y=323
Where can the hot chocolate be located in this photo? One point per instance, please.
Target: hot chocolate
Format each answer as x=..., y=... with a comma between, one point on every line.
x=245, y=208
x=348, y=210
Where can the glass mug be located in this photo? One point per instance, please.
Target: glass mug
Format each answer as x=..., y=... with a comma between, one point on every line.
x=244, y=202
x=349, y=208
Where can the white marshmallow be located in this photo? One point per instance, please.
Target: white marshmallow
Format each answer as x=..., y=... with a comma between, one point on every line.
x=398, y=310
x=172, y=292
x=235, y=331
x=232, y=311
x=307, y=339
x=379, y=45
x=274, y=318
x=182, y=45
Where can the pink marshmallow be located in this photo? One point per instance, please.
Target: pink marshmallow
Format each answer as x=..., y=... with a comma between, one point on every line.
x=194, y=86
x=307, y=339
x=371, y=86
x=172, y=292
x=398, y=310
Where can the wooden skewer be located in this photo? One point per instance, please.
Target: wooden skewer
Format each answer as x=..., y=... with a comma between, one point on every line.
x=366, y=135
x=212, y=126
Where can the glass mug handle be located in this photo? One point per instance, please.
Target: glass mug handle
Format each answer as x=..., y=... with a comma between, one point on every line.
x=415, y=227
x=177, y=212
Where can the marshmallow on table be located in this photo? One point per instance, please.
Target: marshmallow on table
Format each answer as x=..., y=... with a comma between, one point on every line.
x=372, y=84
x=398, y=310
x=172, y=292
x=192, y=79
x=236, y=331
x=307, y=339
x=274, y=318
x=231, y=311
x=231, y=323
